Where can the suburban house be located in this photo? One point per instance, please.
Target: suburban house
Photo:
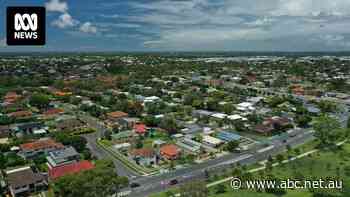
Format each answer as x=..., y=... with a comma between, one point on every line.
x=271, y=124
x=62, y=94
x=115, y=116
x=201, y=113
x=218, y=116
x=228, y=136
x=52, y=113
x=70, y=125
x=245, y=106
x=211, y=141
x=277, y=122
x=264, y=129
x=68, y=169
x=29, y=128
x=140, y=129
x=144, y=156
x=23, y=181
x=42, y=146
x=170, y=152
x=62, y=157
x=11, y=97
x=20, y=114
x=127, y=122
x=189, y=145
x=123, y=136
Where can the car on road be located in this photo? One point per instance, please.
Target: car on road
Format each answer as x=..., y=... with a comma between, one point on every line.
x=134, y=185
x=173, y=182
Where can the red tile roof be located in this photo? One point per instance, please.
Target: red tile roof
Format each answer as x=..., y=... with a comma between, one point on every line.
x=72, y=168
x=53, y=112
x=60, y=93
x=263, y=128
x=12, y=96
x=41, y=144
x=117, y=114
x=144, y=152
x=20, y=114
x=140, y=128
x=170, y=150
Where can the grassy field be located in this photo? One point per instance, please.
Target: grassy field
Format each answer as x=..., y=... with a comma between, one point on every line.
x=324, y=164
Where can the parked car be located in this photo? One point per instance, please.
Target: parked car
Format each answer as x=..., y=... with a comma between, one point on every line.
x=173, y=182
x=134, y=185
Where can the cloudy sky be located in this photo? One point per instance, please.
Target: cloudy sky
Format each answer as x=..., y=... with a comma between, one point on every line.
x=190, y=25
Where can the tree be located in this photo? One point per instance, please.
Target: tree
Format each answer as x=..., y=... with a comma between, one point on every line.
x=101, y=182
x=2, y=161
x=239, y=125
x=135, y=108
x=169, y=193
x=5, y=120
x=108, y=135
x=219, y=189
x=150, y=121
x=232, y=145
x=169, y=124
x=281, y=81
x=139, y=143
x=326, y=129
x=228, y=108
x=327, y=106
x=212, y=105
x=12, y=159
x=194, y=189
x=303, y=120
x=39, y=100
x=78, y=142
x=279, y=158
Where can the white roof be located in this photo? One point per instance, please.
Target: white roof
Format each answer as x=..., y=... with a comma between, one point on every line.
x=245, y=104
x=255, y=99
x=242, y=108
x=206, y=129
x=18, y=169
x=159, y=116
x=152, y=98
x=251, y=108
x=39, y=131
x=179, y=135
x=211, y=140
x=219, y=115
x=235, y=117
x=123, y=145
x=14, y=148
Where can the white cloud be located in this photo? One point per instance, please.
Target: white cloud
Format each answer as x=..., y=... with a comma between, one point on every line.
x=56, y=6
x=312, y=8
x=333, y=40
x=65, y=20
x=87, y=27
x=261, y=22
x=205, y=24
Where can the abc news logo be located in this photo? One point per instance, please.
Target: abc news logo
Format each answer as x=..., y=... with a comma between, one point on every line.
x=26, y=25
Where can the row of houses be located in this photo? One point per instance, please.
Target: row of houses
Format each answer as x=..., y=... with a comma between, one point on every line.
x=61, y=161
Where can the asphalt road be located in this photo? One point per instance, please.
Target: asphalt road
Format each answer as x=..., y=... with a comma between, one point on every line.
x=98, y=152
x=159, y=183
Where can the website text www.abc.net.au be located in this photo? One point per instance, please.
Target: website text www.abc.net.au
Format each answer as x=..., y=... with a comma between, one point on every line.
x=237, y=183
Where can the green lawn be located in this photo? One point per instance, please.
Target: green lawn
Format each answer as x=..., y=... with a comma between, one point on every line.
x=290, y=193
